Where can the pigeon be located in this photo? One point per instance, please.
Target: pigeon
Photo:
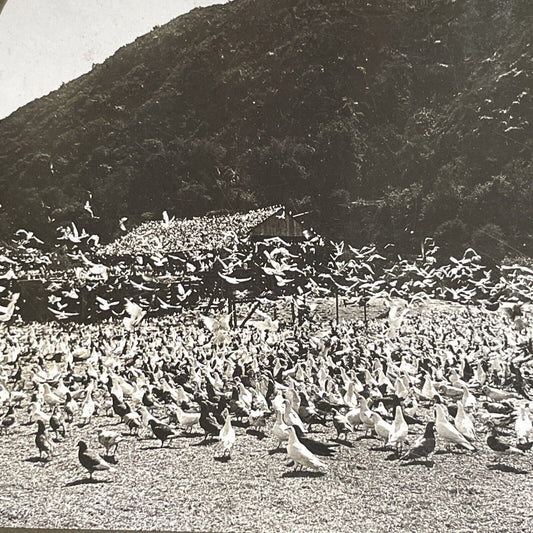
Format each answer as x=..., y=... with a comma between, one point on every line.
x=342, y=426
x=280, y=429
x=7, y=420
x=56, y=423
x=185, y=419
x=227, y=436
x=207, y=423
x=162, y=431
x=109, y=439
x=424, y=446
x=501, y=448
x=314, y=446
x=398, y=435
x=523, y=426
x=300, y=454
x=448, y=432
x=383, y=429
x=464, y=423
x=42, y=441
x=497, y=395
x=91, y=461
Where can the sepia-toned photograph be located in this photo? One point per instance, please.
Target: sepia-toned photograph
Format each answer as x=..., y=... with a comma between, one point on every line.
x=266, y=265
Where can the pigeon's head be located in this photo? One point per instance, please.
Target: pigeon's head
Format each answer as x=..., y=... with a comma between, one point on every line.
x=82, y=446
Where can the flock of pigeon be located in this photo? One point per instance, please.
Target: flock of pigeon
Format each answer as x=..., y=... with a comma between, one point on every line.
x=174, y=375
x=467, y=381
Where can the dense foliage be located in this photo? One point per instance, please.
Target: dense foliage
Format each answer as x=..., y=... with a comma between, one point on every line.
x=424, y=105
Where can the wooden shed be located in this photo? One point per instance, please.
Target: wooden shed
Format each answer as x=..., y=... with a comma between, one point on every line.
x=281, y=224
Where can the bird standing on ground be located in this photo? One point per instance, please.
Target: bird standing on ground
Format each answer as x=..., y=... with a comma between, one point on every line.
x=109, y=439
x=448, y=432
x=342, y=425
x=91, y=461
x=300, y=454
x=383, y=429
x=227, y=435
x=162, y=431
x=207, y=423
x=315, y=446
x=501, y=448
x=56, y=422
x=398, y=435
x=464, y=423
x=185, y=419
x=42, y=441
x=7, y=420
x=424, y=446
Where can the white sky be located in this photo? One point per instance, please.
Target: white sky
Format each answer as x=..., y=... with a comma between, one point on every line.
x=46, y=42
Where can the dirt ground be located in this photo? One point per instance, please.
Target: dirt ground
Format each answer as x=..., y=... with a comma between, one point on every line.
x=186, y=487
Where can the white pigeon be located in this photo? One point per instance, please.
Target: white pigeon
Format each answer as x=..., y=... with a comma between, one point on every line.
x=464, y=423
x=109, y=439
x=300, y=454
x=187, y=420
x=428, y=390
x=497, y=395
x=383, y=429
x=227, y=435
x=290, y=416
x=280, y=429
x=448, y=432
x=523, y=426
x=399, y=431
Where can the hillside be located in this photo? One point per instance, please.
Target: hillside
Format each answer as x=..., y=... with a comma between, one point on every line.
x=425, y=105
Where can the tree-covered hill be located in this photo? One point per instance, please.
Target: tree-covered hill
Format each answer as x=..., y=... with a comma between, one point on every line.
x=424, y=105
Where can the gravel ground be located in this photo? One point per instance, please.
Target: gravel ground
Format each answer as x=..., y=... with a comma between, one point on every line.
x=185, y=487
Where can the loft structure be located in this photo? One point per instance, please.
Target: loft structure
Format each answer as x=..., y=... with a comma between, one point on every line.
x=283, y=224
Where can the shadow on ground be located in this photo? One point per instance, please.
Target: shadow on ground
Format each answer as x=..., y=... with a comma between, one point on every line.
x=87, y=481
x=506, y=468
x=302, y=473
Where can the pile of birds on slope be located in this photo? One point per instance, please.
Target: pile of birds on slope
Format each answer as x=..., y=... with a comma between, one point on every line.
x=468, y=375
x=197, y=233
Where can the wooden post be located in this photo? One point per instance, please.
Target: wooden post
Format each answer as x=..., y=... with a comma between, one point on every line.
x=364, y=309
x=292, y=312
x=212, y=297
x=252, y=311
